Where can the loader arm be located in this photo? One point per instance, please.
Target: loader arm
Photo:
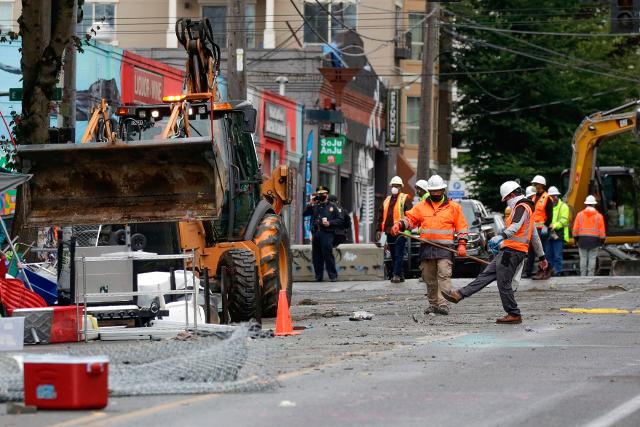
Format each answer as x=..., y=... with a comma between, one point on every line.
x=591, y=132
x=278, y=188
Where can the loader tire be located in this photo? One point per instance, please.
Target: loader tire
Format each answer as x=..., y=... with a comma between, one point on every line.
x=272, y=240
x=238, y=271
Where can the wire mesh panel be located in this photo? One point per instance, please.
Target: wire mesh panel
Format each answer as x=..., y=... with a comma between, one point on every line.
x=86, y=235
x=188, y=364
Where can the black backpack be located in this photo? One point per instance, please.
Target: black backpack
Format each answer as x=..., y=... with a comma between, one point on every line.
x=340, y=234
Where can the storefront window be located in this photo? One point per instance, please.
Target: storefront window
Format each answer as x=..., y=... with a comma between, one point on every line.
x=6, y=16
x=412, y=123
x=328, y=179
x=99, y=14
x=217, y=14
x=416, y=25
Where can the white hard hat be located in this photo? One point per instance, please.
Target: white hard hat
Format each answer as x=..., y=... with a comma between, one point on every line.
x=423, y=184
x=539, y=179
x=507, y=188
x=436, y=183
x=590, y=200
x=396, y=180
x=529, y=191
x=553, y=191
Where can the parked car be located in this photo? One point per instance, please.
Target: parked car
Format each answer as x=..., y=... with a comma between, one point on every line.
x=483, y=225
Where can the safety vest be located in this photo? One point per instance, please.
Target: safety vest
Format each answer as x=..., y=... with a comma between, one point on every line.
x=398, y=209
x=540, y=213
x=438, y=224
x=589, y=225
x=521, y=238
x=561, y=218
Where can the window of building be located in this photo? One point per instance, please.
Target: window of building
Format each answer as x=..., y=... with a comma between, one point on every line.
x=6, y=16
x=320, y=28
x=416, y=25
x=218, y=16
x=99, y=14
x=412, y=120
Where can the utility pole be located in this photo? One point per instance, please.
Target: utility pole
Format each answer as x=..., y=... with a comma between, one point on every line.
x=69, y=83
x=429, y=80
x=236, y=77
x=445, y=101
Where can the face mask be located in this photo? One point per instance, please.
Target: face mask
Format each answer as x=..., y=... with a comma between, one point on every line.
x=322, y=197
x=438, y=199
x=512, y=202
x=394, y=190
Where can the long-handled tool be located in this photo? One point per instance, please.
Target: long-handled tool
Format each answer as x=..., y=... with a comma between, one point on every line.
x=453, y=251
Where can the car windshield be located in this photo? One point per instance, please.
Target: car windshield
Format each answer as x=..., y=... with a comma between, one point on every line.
x=468, y=212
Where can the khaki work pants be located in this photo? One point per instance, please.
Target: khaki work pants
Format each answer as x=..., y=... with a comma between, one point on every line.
x=436, y=273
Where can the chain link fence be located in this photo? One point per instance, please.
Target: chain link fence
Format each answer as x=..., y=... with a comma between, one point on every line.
x=188, y=364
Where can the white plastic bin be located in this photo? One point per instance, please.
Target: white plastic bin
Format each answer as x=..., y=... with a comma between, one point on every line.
x=11, y=333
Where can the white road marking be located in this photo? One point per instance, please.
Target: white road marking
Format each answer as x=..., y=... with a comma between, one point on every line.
x=616, y=414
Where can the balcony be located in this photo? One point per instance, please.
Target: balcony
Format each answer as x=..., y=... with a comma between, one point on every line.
x=402, y=44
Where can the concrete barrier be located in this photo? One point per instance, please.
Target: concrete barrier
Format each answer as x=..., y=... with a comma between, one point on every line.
x=353, y=261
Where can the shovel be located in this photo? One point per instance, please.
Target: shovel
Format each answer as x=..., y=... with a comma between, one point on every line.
x=453, y=251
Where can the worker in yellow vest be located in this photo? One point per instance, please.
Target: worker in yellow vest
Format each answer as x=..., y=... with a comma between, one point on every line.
x=392, y=211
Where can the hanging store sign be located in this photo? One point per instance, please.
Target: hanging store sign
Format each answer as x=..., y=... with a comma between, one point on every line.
x=331, y=148
x=274, y=121
x=393, y=116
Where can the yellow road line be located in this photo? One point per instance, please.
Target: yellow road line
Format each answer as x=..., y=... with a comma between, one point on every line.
x=89, y=418
x=598, y=310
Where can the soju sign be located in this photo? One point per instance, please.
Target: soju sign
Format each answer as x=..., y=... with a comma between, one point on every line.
x=331, y=149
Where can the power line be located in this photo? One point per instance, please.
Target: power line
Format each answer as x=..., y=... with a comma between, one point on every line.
x=547, y=104
x=545, y=33
x=538, y=58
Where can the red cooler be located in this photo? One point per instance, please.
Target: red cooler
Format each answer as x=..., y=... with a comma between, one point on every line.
x=66, y=382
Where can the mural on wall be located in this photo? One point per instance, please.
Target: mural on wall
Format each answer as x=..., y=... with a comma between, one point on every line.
x=108, y=72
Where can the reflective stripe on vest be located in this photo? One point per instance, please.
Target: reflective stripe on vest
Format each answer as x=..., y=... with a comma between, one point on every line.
x=593, y=229
x=540, y=213
x=521, y=238
x=398, y=209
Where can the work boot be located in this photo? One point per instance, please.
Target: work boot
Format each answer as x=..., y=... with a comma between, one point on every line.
x=430, y=309
x=402, y=278
x=548, y=273
x=334, y=279
x=442, y=310
x=538, y=276
x=453, y=296
x=510, y=319
x=395, y=279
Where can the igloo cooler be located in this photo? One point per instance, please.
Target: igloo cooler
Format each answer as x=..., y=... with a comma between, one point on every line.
x=66, y=382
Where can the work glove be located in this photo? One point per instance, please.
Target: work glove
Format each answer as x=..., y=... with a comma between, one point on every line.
x=544, y=231
x=494, y=244
x=543, y=265
x=397, y=228
x=462, y=250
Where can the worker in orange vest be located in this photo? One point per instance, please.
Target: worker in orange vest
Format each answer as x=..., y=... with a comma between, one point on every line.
x=542, y=216
x=511, y=245
x=393, y=210
x=439, y=219
x=589, y=233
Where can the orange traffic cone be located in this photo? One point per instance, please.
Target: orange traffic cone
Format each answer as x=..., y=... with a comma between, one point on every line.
x=283, y=319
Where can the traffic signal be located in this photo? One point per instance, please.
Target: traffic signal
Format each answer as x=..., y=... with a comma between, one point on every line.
x=625, y=16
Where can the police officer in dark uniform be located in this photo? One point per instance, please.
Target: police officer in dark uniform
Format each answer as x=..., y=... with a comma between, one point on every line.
x=325, y=219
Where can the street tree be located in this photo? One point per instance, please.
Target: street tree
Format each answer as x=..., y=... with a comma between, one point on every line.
x=527, y=72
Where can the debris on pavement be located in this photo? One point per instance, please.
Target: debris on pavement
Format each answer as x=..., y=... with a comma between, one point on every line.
x=308, y=301
x=361, y=315
x=286, y=404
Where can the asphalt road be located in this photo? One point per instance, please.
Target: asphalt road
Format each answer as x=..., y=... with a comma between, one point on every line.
x=405, y=369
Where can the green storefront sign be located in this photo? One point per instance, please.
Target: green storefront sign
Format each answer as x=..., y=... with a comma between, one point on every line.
x=331, y=149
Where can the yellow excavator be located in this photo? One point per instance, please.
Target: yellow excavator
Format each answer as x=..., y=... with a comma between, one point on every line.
x=187, y=170
x=615, y=187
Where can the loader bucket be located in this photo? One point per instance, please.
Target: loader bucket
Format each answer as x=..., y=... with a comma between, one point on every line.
x=127, y=182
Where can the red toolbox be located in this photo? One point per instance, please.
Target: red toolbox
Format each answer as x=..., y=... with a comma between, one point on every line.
x=66, y=382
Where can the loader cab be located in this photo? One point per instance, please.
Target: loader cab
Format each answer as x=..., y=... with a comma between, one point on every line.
x=235, y=162
x=616, y=189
